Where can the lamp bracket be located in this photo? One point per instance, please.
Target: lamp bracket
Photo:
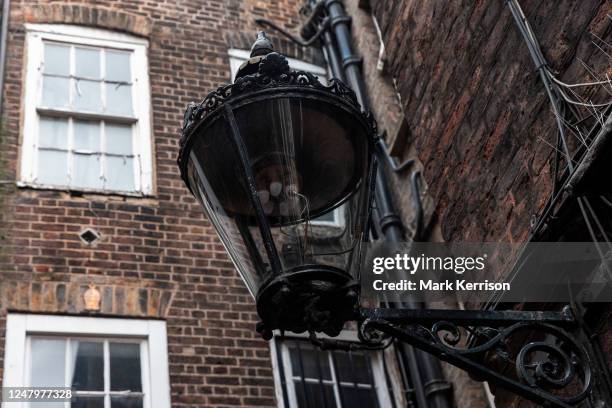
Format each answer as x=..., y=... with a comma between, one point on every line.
x=530, y=353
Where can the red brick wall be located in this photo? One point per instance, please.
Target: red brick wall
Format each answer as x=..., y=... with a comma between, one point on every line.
x=477, y=113
x=477, y=118
x=158, y=257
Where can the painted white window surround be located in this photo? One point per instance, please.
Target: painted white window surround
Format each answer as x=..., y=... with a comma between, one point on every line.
x=237, y=58
x=330, y=372
x=87, y=120
x=32, y=338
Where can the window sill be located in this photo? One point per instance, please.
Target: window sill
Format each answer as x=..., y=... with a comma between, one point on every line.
x=82, y=191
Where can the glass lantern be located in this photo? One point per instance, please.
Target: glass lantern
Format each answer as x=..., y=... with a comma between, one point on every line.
x=266, y=157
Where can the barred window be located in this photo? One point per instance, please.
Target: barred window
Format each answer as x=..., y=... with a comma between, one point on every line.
x=314, y=378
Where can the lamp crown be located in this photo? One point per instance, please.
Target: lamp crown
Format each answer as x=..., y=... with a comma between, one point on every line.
x=262, y=45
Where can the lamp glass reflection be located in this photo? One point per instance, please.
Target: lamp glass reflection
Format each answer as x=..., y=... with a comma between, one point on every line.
x=307, y=157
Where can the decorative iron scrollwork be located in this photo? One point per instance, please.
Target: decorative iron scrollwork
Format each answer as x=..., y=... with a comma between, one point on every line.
x=273, y=72
x=550, y=366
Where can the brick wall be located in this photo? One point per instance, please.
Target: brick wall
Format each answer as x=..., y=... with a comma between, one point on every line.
x=477, y=119
x=158, y=257
x=386, y=104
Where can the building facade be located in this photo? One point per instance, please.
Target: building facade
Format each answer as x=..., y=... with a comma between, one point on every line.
x=455, y=87
x=114, y=283
x=91, y=196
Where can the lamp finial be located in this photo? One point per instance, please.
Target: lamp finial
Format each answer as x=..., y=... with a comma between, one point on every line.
x=262, y=45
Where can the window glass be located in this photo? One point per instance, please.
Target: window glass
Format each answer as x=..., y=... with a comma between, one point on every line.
x=309, y=361
x=315, y=395
x=119, y=173
x=327, y=217
x=52, y=167
x=86, y=171
x=118, y=66
x=87, y=62
x=358, y=397
x=53, y=133
x=125, y=368
x=87, y=402
x=56, y=92
x=88, y=361
x=352, y=367
x=119, y=99
x=87, y=135
x=119, y=139
x=48, y=361
x=56, y=59
x=126, y=402
x=87, y=95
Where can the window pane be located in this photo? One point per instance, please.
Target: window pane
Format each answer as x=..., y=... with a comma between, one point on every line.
x=119, y=99
x=53, y=133
x=55, y=92
x=126, y=402
x=309, y=357
x=317, y=398
x=118, y=139
x=119, y=173
x=118, y=66
x=86, y=171
x=125, y=368
x=87, y=95
x=87, y=62
x=353, y=367
x=88, y=368
x=48, y=362
x=87, y=135
x=57, y=59
x=327, y=217
x=87, y=402
x=359, y=397
x=52, y=167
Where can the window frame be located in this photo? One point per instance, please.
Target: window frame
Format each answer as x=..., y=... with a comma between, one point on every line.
x=20, y=328
x=106, y=375
x=239, y=56
x=280, y=350
x=36, y=35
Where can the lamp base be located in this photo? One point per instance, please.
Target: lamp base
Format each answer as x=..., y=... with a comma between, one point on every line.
x=315, y=298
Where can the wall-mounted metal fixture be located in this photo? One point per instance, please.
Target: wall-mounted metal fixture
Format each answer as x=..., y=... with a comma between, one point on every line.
x=275, y=149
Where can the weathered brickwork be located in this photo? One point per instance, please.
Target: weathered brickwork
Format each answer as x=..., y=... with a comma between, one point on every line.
x=158, y=257
x=387, y=107
x=458, y=92
x=475, y=108
x=478, y=121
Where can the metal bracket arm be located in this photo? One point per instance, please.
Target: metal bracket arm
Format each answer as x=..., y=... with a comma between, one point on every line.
x=528, y=353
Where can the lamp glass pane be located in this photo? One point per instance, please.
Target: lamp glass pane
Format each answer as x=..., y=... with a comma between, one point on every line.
x=215, y=175
x=307, y=157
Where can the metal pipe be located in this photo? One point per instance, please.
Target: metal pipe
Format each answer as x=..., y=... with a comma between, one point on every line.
x=430, y=372
x=6, y=7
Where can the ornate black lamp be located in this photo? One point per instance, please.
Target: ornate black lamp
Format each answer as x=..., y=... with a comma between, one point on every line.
x=266, y=156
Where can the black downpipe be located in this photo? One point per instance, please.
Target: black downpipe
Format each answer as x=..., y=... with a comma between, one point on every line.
x=435, y=392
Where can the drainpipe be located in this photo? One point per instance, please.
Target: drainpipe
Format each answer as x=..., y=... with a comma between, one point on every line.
x=436, y=388
x=6, y=6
